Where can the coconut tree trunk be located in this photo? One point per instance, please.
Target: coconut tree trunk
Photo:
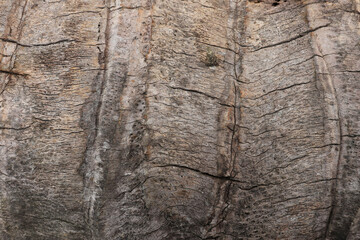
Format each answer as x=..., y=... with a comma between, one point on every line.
x=179, y=119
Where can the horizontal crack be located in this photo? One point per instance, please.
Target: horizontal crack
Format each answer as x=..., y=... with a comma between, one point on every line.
x=194, y=91
x=271, y=113
x=202, y=93
x=17, y=129
x=126, y=7
x=327, y=145
x=75, y=13
x=293, y=38
x=36, y=44
x=280, y=89
x=13, y=73
x=224, y=178
x=351, y=135
x=289, y=199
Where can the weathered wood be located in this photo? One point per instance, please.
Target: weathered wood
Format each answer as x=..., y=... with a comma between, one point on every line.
x=169, y=119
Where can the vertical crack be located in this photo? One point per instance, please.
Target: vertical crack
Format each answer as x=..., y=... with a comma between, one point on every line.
x=223, y=202
x=334, y=112
x=93, y=159
x=105, y=72
x=233, y=136
x=335, y=183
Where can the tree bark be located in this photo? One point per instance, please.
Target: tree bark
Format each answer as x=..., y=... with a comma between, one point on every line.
x=179, y=119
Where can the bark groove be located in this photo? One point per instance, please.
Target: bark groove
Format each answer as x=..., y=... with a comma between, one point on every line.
x=169, y=119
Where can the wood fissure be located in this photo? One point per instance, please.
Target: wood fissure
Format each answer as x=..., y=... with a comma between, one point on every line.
x=179, y=119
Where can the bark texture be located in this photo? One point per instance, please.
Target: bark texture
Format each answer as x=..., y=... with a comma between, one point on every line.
x=179, y=119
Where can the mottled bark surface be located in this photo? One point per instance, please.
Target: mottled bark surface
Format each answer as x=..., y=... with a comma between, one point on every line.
x=179, y=119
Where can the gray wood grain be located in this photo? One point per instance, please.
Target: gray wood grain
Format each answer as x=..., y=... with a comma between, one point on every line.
x=169, y=119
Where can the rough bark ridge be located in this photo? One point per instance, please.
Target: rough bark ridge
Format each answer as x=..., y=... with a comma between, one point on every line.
x=169, y=119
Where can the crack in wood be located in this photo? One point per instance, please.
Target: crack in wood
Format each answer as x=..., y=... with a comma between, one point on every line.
x=300, y=35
